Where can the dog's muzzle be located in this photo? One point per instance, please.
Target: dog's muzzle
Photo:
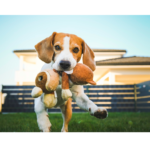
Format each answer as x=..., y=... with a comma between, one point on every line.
x=65, y=64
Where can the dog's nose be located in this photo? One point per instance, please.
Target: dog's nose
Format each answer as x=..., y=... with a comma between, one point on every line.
x=64, y=64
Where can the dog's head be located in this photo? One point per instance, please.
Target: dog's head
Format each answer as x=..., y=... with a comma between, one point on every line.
x=65, y=50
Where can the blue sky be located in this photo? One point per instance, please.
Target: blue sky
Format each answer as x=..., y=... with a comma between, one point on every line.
x=113, y=32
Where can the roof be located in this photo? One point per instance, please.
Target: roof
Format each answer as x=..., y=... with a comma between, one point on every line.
x=22, y=51
x=125, y=61
x=95, y=50
x=108, y=50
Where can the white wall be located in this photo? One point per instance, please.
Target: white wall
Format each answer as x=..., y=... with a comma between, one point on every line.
x=101, y=57
x=28, y=71
x=125, y=76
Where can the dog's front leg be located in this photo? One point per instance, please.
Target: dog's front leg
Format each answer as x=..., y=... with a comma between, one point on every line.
x=42, y=115
x=66, y=110
x=86, y=104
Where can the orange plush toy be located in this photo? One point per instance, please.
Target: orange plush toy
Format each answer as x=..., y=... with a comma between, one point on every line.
x=81, y=75
x=46, y=83
x=48, y=80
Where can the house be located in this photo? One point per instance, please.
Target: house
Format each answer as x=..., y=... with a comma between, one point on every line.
x=29, y=67
x=124, y=70
x=111, y=67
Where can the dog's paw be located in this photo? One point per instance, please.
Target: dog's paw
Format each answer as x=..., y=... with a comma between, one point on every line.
x=46, y=129
x=43, y=122
x=66, y=93
x=64, y=130
x=100, y=113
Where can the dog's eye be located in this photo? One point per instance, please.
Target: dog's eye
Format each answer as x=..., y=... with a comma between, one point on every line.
x=40, y=78
x=57, y=47
x=75, y=50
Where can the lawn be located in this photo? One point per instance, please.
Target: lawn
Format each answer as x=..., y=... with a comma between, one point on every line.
x=80, y=122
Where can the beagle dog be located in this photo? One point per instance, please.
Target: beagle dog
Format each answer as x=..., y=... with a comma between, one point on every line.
x=62, y=52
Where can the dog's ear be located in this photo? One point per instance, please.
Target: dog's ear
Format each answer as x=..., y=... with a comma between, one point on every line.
x=45, y=48
x=88, y=56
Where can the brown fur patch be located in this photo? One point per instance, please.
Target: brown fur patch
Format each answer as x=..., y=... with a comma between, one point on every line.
x=45, y=48
x=88, y=56
x=68, y=113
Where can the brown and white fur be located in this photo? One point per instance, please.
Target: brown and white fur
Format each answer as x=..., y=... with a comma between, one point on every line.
x=71, y=49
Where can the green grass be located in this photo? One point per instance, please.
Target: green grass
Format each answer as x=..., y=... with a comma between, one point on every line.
x=80, y=122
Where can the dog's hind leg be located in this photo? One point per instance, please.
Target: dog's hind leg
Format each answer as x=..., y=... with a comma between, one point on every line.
x=42, y=115
x=66, y=110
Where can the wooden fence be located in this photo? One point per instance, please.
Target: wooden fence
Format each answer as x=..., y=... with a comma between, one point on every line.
x=142, y=100
x=114, y=98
